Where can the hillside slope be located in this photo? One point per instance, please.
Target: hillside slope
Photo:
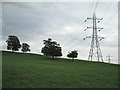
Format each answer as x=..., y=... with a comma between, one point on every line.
x=36, y=71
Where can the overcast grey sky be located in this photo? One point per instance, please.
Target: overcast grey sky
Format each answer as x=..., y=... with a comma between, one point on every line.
x=64, y=22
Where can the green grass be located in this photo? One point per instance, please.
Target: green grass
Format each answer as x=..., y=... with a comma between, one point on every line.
x=36, y=71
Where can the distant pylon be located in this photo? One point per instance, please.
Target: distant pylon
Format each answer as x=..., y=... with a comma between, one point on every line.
x=109, y=58
x=95, y=50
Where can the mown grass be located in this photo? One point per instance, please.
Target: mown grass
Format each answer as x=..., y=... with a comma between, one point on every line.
x=36, y=71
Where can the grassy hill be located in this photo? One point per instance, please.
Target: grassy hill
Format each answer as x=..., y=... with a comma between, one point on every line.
x=36, y=71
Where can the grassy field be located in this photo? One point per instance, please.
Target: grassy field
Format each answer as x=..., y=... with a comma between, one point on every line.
x=36, y=71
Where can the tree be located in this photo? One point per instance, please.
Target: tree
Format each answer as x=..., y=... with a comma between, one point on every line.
x=13, y=43
x=25, y=47
x=51, y=48
x=73, y=54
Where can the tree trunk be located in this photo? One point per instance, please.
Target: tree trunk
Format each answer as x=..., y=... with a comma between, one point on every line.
x=72, y=59
x=52, y=57
x=12, y=50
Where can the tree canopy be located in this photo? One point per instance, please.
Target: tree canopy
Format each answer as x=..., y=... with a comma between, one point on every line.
x=51, y=48
x=72, y=54
x=25, y=47
x=13, y=43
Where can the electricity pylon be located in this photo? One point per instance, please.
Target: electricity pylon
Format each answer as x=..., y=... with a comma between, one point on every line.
x=109, y=58
x=95, y=50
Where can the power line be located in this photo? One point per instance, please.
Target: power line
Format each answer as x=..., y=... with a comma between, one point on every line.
x=91, y=3
x=92, y=7
x=88, y=8
x=106, y=11
x=105, y=14
x=97, y=3
x=111, y=18
x=95, y=6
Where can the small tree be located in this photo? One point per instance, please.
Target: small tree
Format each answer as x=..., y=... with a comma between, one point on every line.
x=13, y=43
x=73, y=54
x=51, y=48
x=25, y=47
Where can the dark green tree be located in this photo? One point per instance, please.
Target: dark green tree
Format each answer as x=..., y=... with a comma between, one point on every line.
x=25, y=47
x=51, y=48
x=72, y=54
x=13, y=43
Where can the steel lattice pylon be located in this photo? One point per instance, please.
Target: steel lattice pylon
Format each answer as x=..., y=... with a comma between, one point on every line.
x=95, y=50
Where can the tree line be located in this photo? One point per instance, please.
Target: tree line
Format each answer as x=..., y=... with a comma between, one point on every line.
x=51, y=48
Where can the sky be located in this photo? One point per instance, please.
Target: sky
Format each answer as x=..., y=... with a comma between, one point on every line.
x=34, y=22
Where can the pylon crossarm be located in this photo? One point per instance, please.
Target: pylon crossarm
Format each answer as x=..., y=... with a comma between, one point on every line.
x=99, y=28
x=89, y=37
x=90, y=18
x=99, y=18
x=101, y=37
x=90, y=27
